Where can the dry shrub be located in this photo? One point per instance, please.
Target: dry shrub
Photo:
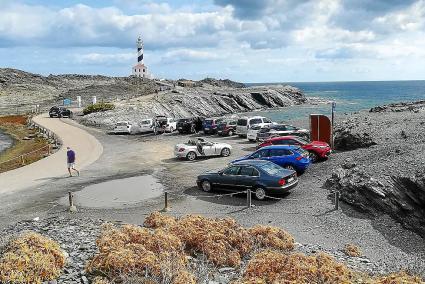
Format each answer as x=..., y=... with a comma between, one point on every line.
x=158, y=220
x=352, y=250
x=223, y=241
x=276, y=267
x=31, y=258
x=100, y=280
x=398, y=278
x=136, y=251
x=272, y=237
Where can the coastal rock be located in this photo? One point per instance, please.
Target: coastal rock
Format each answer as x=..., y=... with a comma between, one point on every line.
x=346, y=140
x=415, y=107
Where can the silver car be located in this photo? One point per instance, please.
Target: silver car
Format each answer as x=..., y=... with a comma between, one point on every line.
x=201, y=148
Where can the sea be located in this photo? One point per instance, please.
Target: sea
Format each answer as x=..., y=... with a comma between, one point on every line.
x=349, y=97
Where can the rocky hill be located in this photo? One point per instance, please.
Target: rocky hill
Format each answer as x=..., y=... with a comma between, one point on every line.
x=384, y=171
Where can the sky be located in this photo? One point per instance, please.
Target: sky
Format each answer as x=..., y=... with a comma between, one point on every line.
x=244, y=40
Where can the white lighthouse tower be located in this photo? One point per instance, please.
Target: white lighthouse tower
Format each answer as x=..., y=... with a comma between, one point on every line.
x=140, y=70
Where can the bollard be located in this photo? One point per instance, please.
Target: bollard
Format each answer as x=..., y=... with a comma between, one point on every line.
x=336, y=196
x=72, y=207
x=48, y=150
x=165, y=202
x=22, y=160
x=248, y=198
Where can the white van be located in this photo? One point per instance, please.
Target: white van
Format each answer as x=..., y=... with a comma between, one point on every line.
x=126, y=127
x=245, y=123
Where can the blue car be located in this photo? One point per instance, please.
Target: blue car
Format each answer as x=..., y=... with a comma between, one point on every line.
x=262, y=177
x=287, y=156
x=209, y=126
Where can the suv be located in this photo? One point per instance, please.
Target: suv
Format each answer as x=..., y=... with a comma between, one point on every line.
x=277, y=130
x=227, y=127
x=60, y=112
x=246, y=123
x=189, y=125
x=210, y=125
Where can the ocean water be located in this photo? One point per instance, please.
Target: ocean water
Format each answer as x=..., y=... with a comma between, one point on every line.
x=349, y=97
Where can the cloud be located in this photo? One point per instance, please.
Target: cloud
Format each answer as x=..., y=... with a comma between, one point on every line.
x=105, y=58
x=188, y=55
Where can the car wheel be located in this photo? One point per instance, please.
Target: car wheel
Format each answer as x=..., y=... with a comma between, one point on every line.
x=225, y=152
x=191, y=156
x=314, y=157
x=251, y=140
x=289, y=167
x=206, y=186
x=231, y=133
x=260, y=193
x=180, y=132
x=51, y=116
x=59, y=115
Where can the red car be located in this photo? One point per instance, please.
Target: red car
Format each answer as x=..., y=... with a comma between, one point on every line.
x=318, y=150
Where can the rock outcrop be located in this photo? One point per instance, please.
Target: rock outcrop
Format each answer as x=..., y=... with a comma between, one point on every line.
x=417, y=106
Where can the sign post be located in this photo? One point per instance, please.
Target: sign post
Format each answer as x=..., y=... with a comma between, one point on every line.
x=79, y=101
x=332, y=123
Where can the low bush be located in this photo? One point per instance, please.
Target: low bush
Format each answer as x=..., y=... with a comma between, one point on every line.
x=352, y=250
x=97, y=107
x=398, y=278
x=31, y=258
x=272, y=237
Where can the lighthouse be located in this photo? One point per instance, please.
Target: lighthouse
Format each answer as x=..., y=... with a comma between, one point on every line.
x=140, y=70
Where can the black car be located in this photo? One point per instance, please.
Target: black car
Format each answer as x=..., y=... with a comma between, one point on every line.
x=59, y=112
x=189, y=125
x=227, y=127
x=262, y=177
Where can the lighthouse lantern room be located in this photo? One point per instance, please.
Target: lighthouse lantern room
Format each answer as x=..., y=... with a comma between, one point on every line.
x=140, y=70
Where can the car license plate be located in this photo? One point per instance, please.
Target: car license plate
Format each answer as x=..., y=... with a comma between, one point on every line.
x=180, y=127
x=290, y=179
x=219, y=131
x=207, y=129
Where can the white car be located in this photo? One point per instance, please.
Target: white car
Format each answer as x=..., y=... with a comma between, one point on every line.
x=245, y=123
x=146, y=125
x=253, y=132
x=126, y=127
x=277, y=130
x=166, y=124
x=201, y=148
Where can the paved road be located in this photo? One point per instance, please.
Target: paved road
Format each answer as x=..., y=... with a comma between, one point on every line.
x=88, y=149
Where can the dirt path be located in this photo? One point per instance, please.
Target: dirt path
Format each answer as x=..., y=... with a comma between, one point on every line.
x=87, y=148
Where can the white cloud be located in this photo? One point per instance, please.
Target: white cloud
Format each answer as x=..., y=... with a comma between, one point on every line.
x=190, y=55
x=104, y=58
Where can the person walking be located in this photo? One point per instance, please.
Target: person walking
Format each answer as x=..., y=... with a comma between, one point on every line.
x=70, y=154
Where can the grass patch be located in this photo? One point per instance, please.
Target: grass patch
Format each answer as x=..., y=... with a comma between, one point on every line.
x=352, y=250
x=98, y=107
x=16, y=127
x=31, y=258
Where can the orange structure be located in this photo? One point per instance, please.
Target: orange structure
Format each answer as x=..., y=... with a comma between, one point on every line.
x=321, y=128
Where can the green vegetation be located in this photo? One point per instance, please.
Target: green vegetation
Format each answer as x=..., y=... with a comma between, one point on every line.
x=97, y=107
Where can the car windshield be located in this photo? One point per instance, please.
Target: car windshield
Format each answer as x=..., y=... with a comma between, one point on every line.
x=272, y=169
x=242, y=122
x=255, y=121
x=302, y=141
x=279, y=127
x=122, y=124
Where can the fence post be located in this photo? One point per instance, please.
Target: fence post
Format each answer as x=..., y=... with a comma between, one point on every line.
x=48, y=150
x=248, y=198
x=166, y=208
x=72, y=207
x=336, y=196
x=22, y=160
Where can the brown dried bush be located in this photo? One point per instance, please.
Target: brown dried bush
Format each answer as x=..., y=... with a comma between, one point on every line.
x=31, y=258
x=352, y=250
x=223, y=241
x=136, y=251
x=398, y=278
x=272, y=237
x=276, y=267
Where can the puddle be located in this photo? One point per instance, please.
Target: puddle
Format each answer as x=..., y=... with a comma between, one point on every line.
x=117, y=193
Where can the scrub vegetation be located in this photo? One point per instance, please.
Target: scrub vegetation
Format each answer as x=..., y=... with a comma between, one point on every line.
x=98, y=107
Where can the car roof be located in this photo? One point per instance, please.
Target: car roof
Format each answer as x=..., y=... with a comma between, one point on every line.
x=251, y=162
x=279, y=147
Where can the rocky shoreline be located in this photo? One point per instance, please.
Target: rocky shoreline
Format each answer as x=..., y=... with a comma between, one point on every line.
x=385, y=173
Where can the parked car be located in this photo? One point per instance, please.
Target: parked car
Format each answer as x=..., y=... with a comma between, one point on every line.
x=146, y=125
x=210, y=125
x=126, y=127
x=227, y=127
x=318, y=150
x=253, y=132
x=201, y=148
x=58, y=111
x=262, y=177
x=246, y=123
x=289, y=157
x=166, y=124
x=189, y=125
x=280, y=130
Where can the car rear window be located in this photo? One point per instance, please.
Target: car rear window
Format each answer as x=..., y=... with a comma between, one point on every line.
x=122, y=124
x=272, y=169
x=208, y=121
x=242, y=122
x=255, y=121
x=256, y=127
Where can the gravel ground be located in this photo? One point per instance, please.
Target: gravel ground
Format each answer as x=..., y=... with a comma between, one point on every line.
x=307, y=213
